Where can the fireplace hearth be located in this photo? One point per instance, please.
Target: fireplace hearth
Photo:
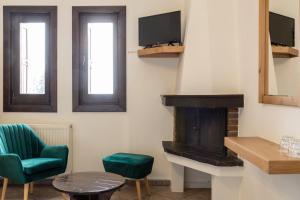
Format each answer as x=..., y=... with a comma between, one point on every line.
x=201, y=123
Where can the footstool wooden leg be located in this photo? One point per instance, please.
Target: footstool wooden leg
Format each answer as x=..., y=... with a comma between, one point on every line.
x=5, y=182
x=147, y=186
x=138, y=189
x=26, y=191
x=31, y=188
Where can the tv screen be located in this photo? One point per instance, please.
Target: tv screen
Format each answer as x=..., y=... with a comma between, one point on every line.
x=282, y=30
x=160, y=29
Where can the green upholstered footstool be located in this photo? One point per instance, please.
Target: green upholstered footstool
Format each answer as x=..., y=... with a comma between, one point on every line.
x=133, y=166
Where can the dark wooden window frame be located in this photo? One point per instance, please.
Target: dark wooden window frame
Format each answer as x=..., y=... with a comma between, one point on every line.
x=13, y=101
x=82, y=101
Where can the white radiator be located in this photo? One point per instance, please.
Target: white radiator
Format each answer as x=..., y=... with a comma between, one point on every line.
x=57, y=134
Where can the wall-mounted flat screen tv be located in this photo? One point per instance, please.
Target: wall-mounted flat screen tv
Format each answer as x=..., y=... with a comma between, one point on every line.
x=160, y=29
x=282, y=30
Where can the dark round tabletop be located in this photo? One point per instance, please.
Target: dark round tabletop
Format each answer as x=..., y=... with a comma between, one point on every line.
x=88, y=183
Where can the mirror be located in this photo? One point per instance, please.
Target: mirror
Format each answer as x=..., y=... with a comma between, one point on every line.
x=284, y=70
x=279, y=55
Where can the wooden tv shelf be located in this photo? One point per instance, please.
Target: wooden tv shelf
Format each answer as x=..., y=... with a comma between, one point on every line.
x=284, y=52
x=264, y=154
x=163, y=51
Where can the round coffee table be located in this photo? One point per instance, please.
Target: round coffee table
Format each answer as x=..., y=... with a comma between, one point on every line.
x=89, y=185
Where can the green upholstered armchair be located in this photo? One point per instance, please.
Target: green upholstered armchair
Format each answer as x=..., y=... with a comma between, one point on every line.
x=24, y=158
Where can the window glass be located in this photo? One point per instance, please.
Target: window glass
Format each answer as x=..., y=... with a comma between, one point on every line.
x=100, y=58
x=32, y=58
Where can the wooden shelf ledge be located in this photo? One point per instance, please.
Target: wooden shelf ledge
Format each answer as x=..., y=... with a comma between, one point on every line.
x=264, y=154
x=164, y=51
x=284, y=52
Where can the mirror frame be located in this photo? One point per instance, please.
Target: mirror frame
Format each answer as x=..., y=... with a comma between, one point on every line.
x=264, y=96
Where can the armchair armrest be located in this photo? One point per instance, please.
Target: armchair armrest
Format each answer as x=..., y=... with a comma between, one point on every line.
x=11, y=167
x=55, y=152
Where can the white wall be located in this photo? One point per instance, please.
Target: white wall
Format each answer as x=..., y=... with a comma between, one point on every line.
x=146, y=123
x=266, y=121
x=223, y=49
x=194, y=76
x=209, y=64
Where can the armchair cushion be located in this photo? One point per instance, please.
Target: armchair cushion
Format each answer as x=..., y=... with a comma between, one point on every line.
x=56, y=152
x=37, y=165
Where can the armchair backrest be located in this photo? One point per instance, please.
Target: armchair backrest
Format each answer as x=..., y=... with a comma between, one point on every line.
x=20, y=139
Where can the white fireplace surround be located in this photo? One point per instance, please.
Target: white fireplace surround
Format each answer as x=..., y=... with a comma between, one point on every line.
x=225, y=181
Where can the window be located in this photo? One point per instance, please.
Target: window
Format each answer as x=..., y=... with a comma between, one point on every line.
x=99, y=59
x=30, y=59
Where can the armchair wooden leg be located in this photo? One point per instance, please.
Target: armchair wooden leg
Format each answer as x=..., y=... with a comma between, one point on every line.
x=5, y=182
x=65, y=196
x=147, y=186
x=31, y=186
x=26, y=191
x=138, y=189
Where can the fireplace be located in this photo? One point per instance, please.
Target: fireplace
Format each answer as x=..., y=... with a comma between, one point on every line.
x=201, y=123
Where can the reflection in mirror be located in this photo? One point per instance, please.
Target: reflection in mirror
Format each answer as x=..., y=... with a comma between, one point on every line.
x=284, y=62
